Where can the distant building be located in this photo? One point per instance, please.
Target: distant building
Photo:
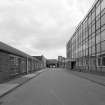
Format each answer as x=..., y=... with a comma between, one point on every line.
x=42, y=59
x=52, y=63
x=60, y=58
x=61, y=62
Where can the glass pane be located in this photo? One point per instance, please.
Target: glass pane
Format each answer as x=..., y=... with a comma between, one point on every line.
x=98, y=24
x=86, y=44
x=102, y=4
x=103, y=20
x=86, y=52
x=97, y=17
x=103, y=61
x=86, y=34
x=89, y=29
x=93, y=40
x=103, y=28
x=98, y=48
x=89, y=20
x=97, y=39
x=90, y=43
x=103, y=36
x=99, y=61
x=103, y=46
x=93, y=28
x=89, y=50
x=103, y=12
x=93, y=15
x=97, y=10
x=93, y=49
x=93, y=22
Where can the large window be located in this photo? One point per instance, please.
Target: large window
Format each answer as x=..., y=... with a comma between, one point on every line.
x=99, y=61
x=93, y=14
x=103, y=61
x=97, y=39
x=103, y=28
x=90, y=52
x=98, y=48
x=103, y=20
x=87, y=52
x=103, y=46
x=14, y=64
x=93, y=50
x=90, y=42
x=98, y=24
x=103, y=12
x=93, y=41
x=93, y=28
x=98, y=8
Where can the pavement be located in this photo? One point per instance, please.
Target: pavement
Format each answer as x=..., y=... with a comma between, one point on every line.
x=9, y=86
x=99, y=79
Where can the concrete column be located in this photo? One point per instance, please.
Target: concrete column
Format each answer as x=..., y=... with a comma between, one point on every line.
x=27, y=65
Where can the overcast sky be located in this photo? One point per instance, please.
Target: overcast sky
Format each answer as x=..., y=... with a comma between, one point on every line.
x=41, y=26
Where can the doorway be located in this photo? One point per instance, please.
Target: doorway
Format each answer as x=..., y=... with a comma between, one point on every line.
x=73, y=64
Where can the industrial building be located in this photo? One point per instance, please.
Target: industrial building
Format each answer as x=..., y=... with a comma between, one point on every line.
x=51, y=63
x=14, y=62
x=42, y=59
x=61, y=62
x=86, y=47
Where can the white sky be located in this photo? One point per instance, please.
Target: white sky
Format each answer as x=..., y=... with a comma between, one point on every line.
x=41, y=26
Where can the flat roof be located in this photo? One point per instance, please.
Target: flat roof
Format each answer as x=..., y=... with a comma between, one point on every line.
x=6, y=48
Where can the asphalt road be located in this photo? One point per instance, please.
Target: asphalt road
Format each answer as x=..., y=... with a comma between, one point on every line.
x=57, y=87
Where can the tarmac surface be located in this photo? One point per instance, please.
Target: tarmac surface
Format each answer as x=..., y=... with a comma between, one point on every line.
x=57, y=87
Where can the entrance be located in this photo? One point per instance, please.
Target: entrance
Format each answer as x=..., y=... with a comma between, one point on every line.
x=73, y=63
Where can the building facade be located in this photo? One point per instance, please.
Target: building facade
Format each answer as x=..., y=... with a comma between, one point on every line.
x=86, y=48
x=51, y=63
x=42, y=59
x=14, y=62
x=61, y=62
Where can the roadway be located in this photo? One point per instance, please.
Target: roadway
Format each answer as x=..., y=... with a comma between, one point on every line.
x=57, y=87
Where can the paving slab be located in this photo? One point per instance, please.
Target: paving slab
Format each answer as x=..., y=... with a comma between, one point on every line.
x=4, y=88
x=9, y=86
